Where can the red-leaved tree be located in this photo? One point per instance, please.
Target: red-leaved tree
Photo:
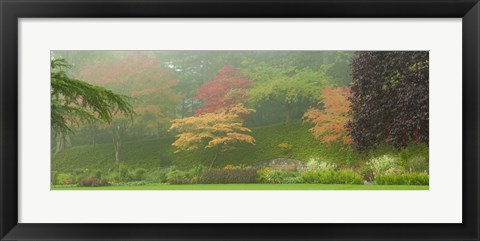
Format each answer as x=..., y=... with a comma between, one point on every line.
x=225, y=90
x=151, y=86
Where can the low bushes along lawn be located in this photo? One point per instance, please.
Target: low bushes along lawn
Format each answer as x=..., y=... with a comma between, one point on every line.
x=249, y=187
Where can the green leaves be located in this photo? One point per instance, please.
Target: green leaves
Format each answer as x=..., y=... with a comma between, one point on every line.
x=74, y=101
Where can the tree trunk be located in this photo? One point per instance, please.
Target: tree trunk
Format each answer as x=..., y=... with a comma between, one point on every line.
x=287, y=114
x=60, y=143
x=214, y=158
x=118, y=132
x=117, y=153
x=68, y=142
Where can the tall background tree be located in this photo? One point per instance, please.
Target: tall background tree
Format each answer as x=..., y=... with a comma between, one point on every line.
x=389, y=97
x=289, y=90
x=225, y=90
x=142, y=76
x=74, y=102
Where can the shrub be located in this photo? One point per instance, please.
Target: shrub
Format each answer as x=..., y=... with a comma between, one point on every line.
x=139, y=174
x=366, y=173
x=123, y=173
x=97, y=173
x=54, y=178
x=213, y=176
x=158, y=175
x=195, y=172
x=174, y=173
x=293, y=180
x=180, y=180
x=137, y=183
x=332, y=177
x=383, y=165
x=285, y=147
x=414, y=178
x=175, y=176
x=274, y=176
x=114, y=177
x=93, y=182
x=315, y=164
x=233, y=167
x=65, y=179
x=417, y=164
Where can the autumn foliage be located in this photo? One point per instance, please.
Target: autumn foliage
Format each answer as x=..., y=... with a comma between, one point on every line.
x=141, y=76
x=225, y=90
x=219, y=129
x=329, y=123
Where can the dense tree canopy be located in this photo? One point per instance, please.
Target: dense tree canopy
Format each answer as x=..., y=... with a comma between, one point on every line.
x=389, y=97
x=218, y=130
x=289, y=88
x=74, y=101
x=141, y=76
x=228, y=88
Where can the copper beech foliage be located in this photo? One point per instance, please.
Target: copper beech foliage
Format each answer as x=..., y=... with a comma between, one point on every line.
x=218, y=129
x=329, y=123
x=389, y=98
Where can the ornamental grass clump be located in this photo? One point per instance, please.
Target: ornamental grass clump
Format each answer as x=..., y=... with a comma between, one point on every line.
x=267, y=175
x=384, y=165
x=315, y=164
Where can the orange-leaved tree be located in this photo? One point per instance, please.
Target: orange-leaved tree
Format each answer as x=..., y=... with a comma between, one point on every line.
x=329, y=123
x=218, y=130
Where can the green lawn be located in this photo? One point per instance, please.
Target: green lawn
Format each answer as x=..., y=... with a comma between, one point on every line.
x=248, y=187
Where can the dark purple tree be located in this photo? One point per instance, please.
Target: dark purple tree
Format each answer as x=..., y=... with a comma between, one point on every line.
x=389, y=98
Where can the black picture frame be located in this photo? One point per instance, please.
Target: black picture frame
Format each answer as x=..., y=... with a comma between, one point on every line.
x=12, y=10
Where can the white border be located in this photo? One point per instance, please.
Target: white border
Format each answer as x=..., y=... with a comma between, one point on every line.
x=442, y=203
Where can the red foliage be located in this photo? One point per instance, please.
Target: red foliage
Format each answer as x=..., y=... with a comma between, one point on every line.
x=226, y=89
x=329, y=123
x=138, y=74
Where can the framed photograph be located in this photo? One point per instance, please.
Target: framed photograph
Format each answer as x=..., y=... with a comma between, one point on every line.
x=229, y=120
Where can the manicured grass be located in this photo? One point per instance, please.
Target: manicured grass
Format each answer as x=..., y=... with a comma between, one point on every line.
x=248, y=187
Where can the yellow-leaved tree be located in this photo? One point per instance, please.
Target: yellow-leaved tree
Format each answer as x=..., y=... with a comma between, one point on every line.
x=218, y=130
